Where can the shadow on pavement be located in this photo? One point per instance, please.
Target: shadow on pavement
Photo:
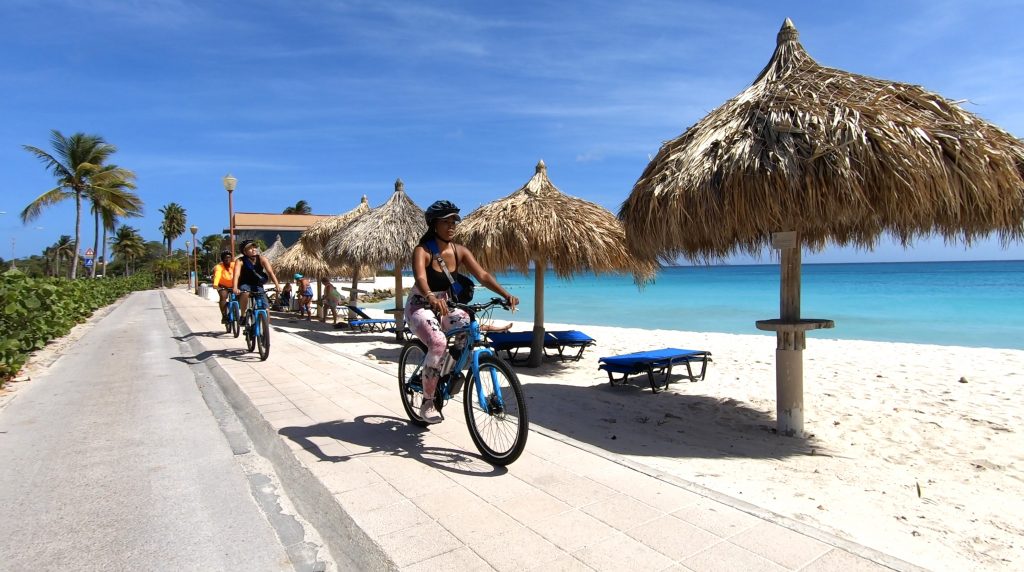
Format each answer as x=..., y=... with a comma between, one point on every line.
x=387, y=435
x=630, y=420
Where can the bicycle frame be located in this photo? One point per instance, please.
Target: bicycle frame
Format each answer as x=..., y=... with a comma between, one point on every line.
x=476, y=347
x=258, y=304
x=233, y=307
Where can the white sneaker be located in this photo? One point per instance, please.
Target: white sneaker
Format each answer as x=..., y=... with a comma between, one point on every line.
x=428, y=413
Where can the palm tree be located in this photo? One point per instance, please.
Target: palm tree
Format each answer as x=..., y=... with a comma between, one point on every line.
x=58, y=251
x=174, y=223
x=73, y=162
x=128, y=245
x=112, y=198
x=301, y=207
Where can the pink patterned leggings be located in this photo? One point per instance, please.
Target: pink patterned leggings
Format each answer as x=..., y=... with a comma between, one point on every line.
x=431, y=331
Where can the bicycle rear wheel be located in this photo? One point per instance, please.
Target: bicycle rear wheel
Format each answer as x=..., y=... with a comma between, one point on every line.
x=234, y=320
x=498, y=426
x=263, y=335
x=227, y=323
x=410, y=363
x=250, y=330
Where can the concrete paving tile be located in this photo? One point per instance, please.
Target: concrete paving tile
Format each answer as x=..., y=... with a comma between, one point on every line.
x=495, y=487
x=661, y=495
x=839, y=560
x=418, y=543
x=393, y=518
x=621, y=552
x=345, y=476
x=727, y=557
x=537, y=471
x=477, y=520
x=622, y=512
x=369, y=498
x=288, y=418
x=445, y=501
x=673, y=537
x=459, y=560
x=780, y=545
x=514, y=550
x=573, y=530
x=578, y=491
x=271, y=400
x=273, y=407
x=717, y=518
x=534, y=506
x=422, y=483
x=563, y=563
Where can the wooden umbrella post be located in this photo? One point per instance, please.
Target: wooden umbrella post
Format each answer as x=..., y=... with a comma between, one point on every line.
x=537, y=344
x=399, y=311
x=791, y=337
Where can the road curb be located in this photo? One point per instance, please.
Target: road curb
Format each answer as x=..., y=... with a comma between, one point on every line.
x=345, y=540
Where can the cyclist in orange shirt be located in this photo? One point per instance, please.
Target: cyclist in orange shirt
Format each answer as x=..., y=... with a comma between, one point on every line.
x=224, y=280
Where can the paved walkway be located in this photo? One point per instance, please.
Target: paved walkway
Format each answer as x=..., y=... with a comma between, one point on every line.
x=417, y=499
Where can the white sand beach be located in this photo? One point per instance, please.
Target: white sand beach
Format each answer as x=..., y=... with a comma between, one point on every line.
x=903, y=456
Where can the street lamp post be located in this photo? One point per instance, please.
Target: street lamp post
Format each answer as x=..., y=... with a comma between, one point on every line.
x=188, y=245
x=195, y=257
x=229, y=186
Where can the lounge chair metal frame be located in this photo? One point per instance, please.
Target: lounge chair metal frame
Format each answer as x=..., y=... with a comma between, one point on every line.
x=368, y=324
x=512, y=342
x=655, y=362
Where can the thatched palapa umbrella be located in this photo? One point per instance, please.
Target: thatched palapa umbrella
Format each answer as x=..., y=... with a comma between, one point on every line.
x=316, y=236
x=540, y=225
x=275, y=250
x=385, y=235
x=300, y=260
x=809, y=155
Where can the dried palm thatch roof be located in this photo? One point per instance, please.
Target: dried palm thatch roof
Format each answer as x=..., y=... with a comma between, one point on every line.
x=275, y=251
x=833, y=155
x=539, y=224
x=384, y=236
x=297, y=259
x=316, y=236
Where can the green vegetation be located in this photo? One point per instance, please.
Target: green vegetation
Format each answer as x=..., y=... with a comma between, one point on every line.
x=34, y=311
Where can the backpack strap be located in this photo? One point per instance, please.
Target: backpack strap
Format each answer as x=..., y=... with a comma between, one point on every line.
x=432, y=246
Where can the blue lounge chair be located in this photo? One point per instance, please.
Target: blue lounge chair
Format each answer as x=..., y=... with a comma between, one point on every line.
x=652, y=362
x=574, y=339
x=367, y=324
x=512, y=342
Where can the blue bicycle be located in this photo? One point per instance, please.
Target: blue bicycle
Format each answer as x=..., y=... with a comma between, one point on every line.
x=493, y=401
x=234, y=315
x=257, y=324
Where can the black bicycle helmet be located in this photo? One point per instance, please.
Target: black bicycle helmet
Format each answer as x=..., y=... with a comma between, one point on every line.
x=442, y=209
x=245, y=244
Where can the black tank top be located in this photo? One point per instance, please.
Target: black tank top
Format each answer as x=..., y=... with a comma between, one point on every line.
x=436, y=280
x=252, y=273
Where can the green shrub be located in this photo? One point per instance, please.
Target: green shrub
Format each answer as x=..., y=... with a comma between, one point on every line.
x=33, y=311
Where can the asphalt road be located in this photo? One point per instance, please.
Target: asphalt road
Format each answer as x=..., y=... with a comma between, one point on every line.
x=122, y=457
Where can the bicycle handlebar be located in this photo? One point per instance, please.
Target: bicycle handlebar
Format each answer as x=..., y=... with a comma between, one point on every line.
x=475, y=308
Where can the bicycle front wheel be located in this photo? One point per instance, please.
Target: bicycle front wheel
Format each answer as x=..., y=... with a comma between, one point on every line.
x=234, y=320
x=263, y=336
x=250, y=330
x=496, y=411
x=410, y=364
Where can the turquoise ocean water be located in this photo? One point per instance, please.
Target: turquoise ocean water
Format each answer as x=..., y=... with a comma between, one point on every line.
x=949, y=303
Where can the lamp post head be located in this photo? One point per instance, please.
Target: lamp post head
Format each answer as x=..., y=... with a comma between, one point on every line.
x=230, y=182
x=194, y=229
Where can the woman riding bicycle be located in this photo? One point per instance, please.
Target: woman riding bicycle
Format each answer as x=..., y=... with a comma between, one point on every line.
x=251, y=272
x=426, y=309
x=224, y=281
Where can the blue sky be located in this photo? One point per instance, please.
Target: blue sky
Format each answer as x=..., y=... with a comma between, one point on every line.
x=327, y=100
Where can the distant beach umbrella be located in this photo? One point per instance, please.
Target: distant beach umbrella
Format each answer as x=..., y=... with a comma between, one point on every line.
x=384, y=236
x=316, y=236
x=539, y=225
x=810, y=155
x=299, y=260
x=275, y=251
x=319, y=233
